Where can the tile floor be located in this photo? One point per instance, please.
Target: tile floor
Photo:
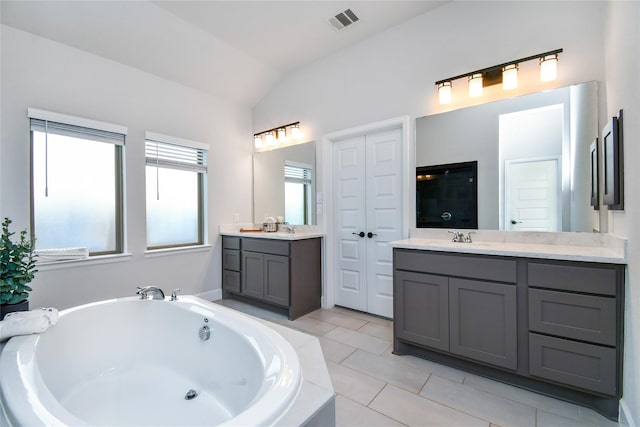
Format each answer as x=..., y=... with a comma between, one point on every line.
x=376, y=388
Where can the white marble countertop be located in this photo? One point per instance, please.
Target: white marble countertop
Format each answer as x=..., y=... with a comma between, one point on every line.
x=301, y=232
x=560, y=246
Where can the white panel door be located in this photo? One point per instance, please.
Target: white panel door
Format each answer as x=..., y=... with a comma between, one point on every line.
x=350, y=220
x=532, y=195
x=384, y=217
x=368, y=215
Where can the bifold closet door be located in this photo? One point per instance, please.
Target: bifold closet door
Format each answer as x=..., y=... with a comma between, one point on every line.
x=367, y=216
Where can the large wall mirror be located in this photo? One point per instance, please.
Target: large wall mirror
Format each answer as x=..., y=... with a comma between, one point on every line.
x=284, y=184
x=532, y=154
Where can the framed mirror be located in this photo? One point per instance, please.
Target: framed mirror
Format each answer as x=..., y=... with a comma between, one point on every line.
x=284, y=184
x=533, y=157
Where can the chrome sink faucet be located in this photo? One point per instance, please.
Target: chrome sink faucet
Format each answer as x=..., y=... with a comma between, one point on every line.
x=459, y=237
x=156, y=293
x=289, y=229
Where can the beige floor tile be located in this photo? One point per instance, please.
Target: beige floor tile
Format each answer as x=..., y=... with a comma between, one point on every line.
x=335, y=351
x=352, y=414
x=353, y=384
x=478, y=403
x=427, y=366
x=414, y=410
x=387, y=370
x=338, y=319
x=592, y=418
x=363, y=316
x=359, y=340
x=377, y=330
x=311, y=326
x=547, y=419
x=555, y=406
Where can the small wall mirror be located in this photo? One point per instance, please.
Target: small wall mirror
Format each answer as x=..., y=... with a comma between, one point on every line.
x=532, y=153
x=284, y=184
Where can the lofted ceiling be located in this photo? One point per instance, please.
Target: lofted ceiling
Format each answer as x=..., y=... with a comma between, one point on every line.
x=235, y=49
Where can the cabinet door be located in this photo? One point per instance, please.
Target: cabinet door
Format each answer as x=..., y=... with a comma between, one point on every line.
x=483, y=321
x=421, y=309
x=253, y=274
x=231, y=281
x=276, y=279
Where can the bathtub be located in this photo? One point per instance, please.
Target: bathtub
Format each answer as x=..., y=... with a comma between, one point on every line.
x=133, y=362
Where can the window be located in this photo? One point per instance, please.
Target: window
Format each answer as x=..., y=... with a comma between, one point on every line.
x=76, y=183
x=175, y=181
x=297, y=192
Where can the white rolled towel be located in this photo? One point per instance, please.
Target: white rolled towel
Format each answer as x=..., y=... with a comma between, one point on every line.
x=27, y=322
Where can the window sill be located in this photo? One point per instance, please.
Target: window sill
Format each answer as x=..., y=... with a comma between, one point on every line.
x=92, y=260
x=176, y=251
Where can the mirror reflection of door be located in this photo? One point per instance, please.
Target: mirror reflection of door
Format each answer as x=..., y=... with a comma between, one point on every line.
x=535, y=187
x=297, y=192
x=532, y=187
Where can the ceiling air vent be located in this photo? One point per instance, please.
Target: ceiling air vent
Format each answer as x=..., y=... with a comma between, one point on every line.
x=343, y=19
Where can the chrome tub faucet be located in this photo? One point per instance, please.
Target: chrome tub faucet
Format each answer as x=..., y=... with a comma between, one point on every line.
x=155, y=293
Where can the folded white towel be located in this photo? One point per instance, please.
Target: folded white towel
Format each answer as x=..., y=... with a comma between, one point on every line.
x=62, y=254
x=27, y=322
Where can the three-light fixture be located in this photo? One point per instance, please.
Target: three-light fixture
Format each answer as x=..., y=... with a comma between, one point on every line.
x=506, y=73
x=277, y=136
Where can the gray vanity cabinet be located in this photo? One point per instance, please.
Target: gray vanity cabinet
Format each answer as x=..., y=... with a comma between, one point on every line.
x=475, y=319
x=553, y=326
x=282, y=273
x=483, y=321
x=266, y=276
x=422, y=309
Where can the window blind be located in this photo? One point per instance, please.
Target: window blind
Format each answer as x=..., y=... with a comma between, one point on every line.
x=297, y=174
x=173, y=156
x=49, y=127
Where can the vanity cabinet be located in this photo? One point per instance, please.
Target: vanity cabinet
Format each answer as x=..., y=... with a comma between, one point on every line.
x=282, y=273
x=553, y=326
x=475, y=319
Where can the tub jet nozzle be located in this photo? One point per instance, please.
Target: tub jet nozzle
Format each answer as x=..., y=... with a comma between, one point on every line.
x=191, y=394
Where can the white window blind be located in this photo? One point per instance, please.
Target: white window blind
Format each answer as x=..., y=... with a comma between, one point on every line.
x=63, y=129
x=174, y=156
x=297, y=174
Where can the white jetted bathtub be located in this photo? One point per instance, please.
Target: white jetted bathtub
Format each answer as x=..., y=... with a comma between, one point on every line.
x=149, y=363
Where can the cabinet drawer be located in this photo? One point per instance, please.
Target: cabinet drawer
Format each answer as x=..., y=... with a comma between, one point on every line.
x=460, y=265
x=571, y=277
x=582, y=317
x=231, y=281
x=229, y=242
x=587, y=366
x=267, y=246
x=231, y=259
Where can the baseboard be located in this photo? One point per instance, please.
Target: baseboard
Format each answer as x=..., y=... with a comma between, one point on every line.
x=626, y=419
x=213, y=295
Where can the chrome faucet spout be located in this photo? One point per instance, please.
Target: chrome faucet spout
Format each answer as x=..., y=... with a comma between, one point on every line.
x=155, y=292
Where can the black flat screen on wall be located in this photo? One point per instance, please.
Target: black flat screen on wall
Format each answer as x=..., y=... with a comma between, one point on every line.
x=447, y=196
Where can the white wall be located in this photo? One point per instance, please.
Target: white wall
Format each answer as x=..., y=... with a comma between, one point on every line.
x=39, y=73
x=393, y=74
x=622, y=64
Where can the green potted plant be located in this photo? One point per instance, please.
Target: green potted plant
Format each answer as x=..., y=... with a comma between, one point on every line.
x=17, y=269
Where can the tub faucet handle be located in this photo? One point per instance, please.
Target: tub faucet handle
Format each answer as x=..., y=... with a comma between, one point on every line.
x=174, y=294
x=156, y=293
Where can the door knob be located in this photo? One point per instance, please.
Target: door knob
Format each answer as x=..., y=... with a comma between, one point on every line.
x=370, y=234
x=361, y=234
x=513, y=221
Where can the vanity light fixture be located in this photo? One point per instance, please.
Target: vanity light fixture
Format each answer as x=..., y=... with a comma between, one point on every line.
x=444, y=92
x=548, y=67
x=277, y=136
x=510, y=77
x=475, y=85
x=506, y=73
